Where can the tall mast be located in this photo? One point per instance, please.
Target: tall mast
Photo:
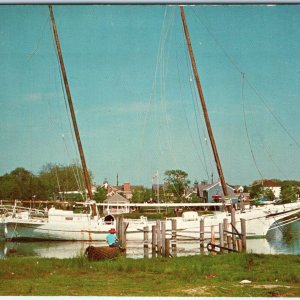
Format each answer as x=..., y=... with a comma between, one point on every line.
x=63, y=70
x=200, y=92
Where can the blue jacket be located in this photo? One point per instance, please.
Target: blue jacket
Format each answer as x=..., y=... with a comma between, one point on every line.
x=111, y=238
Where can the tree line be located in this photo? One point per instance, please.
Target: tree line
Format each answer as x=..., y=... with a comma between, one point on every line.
x=48, y=184
x=53, y=180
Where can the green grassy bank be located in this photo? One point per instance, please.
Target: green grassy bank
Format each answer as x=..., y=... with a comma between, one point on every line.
x=270, y=275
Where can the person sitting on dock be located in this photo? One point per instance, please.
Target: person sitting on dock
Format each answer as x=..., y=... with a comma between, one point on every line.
x=112, y=239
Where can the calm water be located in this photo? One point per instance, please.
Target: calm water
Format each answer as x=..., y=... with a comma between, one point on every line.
x=285, y=240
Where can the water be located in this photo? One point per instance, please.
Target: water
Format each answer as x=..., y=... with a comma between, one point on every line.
x=285, y=240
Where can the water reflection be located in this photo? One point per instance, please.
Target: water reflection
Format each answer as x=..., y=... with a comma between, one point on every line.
x=282, y=240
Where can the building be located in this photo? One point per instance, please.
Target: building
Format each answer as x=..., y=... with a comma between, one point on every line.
x=115, y=205
x=211, y=193
x=274, y=186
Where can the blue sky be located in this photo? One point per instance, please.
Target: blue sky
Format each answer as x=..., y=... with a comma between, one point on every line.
x=133, y=90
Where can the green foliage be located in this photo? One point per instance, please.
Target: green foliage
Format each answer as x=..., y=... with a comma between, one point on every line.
x=56, y=178
x=23, y=185
x=20, y=184
x=288, y=193
x=201, y=275
x=256, y=190
x=178, y=181
x=141, y=194
x=269, y=194
x=100, y=195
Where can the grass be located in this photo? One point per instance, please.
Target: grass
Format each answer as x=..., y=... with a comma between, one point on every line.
x=206, y=275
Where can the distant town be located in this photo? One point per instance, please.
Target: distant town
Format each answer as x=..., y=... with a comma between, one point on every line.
x=57, y=182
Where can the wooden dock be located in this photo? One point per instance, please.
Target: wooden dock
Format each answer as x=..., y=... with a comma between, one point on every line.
x=158, y=241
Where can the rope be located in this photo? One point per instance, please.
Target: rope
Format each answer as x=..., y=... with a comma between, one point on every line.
x=186, y=118
x=246, y=128
x=79, y=184
x=235, y=65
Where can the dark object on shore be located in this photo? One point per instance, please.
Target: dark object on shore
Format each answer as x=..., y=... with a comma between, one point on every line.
x=12, y=250
x=98, y=253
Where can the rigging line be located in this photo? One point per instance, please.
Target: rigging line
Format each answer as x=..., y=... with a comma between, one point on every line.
x=272, y=113
x=200, y=113
x=75, y=170
x=153, y=90
x=248, y=82
x=187, y=121
x=163, y=103
x=66, y=106
x=246, y=128
x=186, y=118
x=51, y=120
x=197, y=110
x=265, y=148
x=161, y=73
x=30, y=56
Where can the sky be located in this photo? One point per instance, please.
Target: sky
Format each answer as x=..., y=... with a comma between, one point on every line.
x=134, y=93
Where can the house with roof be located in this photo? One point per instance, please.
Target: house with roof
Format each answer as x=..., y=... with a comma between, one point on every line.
x=213, y=193
x=115, y=205
x=274, y=186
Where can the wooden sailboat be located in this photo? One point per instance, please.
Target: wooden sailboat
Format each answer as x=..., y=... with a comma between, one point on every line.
x=66, y=225
x=62, y=224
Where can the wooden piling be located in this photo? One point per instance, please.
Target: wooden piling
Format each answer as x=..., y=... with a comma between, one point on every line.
x=174, y=236
x=221, y=236
x=154, y=240
x=124, y=229
x=243, y=232
x=213, y=241
x=225, y=229
x=201, y=235
x=233, y=222
x=146, y=241
x=158, y=237
x=239, y=245
x=229, y=242
x=163, y=238
x=167, y=247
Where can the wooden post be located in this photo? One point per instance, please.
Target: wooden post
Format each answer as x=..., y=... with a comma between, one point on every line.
x=243, y=231
x=229, y=242
x=174, y=237
x=118, y=232
x=167, y=247
x=239, y=245
x=163, y=238
x=201, y=235
x=233, y=222
x=158, y=237
x=213, y=241
x=225, y=228
x=221, y=236
x=146, y=241
x=153, y=240
x=124, y=228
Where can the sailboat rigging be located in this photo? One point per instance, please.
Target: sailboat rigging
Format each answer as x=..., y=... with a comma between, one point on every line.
x=201, y=96
x=70, y=102
x=66, y=225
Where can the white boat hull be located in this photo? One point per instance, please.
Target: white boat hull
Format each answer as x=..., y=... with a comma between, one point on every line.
x=66, y=226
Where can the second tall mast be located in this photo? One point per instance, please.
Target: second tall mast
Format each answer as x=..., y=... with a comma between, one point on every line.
x=200, y=92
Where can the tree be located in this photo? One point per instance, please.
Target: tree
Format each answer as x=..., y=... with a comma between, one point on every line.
x=178, y=182
x=269, y=194
x=256, y=190
x=101, y=194
x=141, y=194
x=57, y=179
x=288, y=193
x=20, y=184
